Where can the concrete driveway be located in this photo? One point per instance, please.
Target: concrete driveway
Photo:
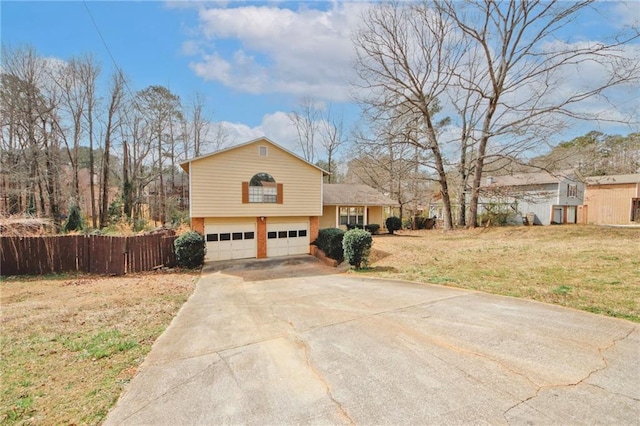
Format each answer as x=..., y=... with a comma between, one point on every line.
x=343, y=349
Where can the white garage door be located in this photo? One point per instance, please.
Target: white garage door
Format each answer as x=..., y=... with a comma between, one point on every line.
x=230, y=241
x=287, y=238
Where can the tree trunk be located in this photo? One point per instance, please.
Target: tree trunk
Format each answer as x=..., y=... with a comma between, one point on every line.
x=126, y=185
x=91, y=169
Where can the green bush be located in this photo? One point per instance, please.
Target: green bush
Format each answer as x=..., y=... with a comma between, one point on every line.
x=330, y=242
x=357, y=247
x=393, y=224
x=351, y=226
x=190, y=249
x=115, y=211
x=74, y=222
x=372, y=227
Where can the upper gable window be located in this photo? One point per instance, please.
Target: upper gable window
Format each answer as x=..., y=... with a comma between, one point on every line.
x=262, y=150
x=572, y=190
x=263, y=189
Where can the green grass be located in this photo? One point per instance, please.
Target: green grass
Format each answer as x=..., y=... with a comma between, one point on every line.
x=68, y=346
x=595, y=269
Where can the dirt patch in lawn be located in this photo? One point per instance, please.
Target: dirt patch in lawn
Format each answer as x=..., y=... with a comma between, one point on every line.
x=596, y=269
x=70, y=343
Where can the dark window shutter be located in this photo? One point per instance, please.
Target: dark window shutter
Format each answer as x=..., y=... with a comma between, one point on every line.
x=280, y=197
x=245, y=192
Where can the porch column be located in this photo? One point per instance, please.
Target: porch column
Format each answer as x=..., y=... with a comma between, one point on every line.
x=337, y=217
x=366, y=218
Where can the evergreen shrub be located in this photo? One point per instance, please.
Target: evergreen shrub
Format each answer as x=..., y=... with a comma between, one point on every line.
x=357, y=247
x=190, y=249
x=330, y=242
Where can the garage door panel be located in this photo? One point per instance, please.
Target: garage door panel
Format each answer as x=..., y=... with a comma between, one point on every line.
x=285, y=239
x=230, y=241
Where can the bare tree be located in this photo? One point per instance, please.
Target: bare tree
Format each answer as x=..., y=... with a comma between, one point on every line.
x=332, y=139
x=115, y=100
x=24, y=129
x=306, y=118
x=198, y=124
x=87, y=70
x=160, y=107
x=404, y=57
x=523, y=66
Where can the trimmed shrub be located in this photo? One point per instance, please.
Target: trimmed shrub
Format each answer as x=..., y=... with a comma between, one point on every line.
x=74, y=222
x=190, y=249
x=351, y=226
x=357, y=247
x=330, y=242
x=372, y=227
x=393, y=224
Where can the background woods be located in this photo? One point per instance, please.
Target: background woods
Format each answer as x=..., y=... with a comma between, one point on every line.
x=75, y=138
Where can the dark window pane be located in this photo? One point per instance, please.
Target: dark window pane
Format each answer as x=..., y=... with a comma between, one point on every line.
x=282, y=234
x=293, y=234
x=237, y=236
x=212, y=237
x=248, y=235
x=225, y=237
x=302, y=233
x=272, y=235
x=260, y=178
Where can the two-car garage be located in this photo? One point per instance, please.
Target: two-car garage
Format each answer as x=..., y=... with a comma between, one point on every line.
x=241, y=239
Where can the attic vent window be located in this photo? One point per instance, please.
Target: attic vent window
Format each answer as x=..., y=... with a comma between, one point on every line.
x=263, y=151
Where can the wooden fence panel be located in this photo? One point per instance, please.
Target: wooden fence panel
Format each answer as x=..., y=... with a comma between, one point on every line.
x=79, y=253
x=8, y=258
x=107, y=255
x=168, y=253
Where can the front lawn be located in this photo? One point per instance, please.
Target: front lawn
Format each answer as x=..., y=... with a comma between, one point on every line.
x=69, y=344
x=596, y=269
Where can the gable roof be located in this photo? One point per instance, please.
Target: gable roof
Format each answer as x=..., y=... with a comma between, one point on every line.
x=186, y=164
x=526, y=179
x=612, y=179
x=337, y=194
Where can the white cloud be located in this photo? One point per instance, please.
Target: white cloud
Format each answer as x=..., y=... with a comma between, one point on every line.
x=303, y=52
x=275, y=126
x=627, y=13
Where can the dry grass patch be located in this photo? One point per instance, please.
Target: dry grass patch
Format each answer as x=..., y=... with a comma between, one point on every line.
x=69, y=344
x=595, y=269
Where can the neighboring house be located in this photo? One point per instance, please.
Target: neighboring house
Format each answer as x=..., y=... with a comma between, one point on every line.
x=260, y=200
x=545, y=198
x=612, y=200
x=345, y=204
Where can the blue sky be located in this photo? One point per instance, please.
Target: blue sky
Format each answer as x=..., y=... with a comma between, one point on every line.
x=253, y=61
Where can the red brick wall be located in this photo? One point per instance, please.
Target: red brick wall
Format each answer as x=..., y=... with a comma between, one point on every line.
x=262, y=237
x=314, y=227
x=197, y=224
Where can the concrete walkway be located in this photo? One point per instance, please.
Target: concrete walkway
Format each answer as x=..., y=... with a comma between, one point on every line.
x=342, y=349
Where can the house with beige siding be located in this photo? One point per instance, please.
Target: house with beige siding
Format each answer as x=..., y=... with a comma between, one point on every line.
x=346, y=204
x=258, y=199
x=612, y=200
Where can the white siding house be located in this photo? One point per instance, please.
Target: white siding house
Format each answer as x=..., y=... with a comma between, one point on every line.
x=544, y=198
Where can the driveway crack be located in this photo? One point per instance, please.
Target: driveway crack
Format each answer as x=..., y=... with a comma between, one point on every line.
x=316, y=373
x=605, y=365
x=172, y=388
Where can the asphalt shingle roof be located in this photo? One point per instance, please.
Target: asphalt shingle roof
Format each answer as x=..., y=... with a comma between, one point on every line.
x=337, y=194
x=612, y=179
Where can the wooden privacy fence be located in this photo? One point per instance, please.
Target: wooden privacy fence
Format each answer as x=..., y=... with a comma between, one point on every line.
x=92, y=254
